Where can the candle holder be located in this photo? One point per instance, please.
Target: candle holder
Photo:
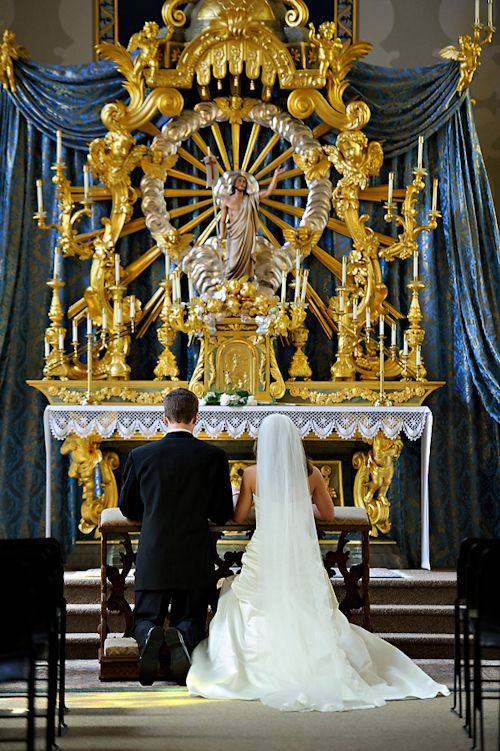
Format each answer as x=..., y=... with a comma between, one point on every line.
x=166, y=366
x=55, y=365
x=415, y=334
x=89, y=397
x=383, y=400
x=69, y=219
x=344, y=368
x=405, y=375
x=406, y=244
x=119, y=341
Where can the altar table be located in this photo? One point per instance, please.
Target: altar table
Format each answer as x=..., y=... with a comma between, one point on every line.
x=322, y=421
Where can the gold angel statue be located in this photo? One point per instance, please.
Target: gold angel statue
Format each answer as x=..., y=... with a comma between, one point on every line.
x=146, y=41
x=356, y=160
x=314, y=164
x=172, y=242
x=9, y=53
x=303, y=239
x=114, y=157
x=329, y=49
x=468, y=57
x=235, y=107
x=156, y=164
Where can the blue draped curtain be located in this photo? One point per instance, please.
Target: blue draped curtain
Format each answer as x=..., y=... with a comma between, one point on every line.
x=459, y=264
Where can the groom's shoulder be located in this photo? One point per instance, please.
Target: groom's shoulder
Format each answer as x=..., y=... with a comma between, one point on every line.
x=209, y=448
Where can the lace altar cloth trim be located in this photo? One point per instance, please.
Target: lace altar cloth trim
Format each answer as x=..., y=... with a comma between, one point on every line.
x=322, y=421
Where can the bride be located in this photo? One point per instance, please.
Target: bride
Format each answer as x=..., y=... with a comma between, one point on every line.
x=278, y=634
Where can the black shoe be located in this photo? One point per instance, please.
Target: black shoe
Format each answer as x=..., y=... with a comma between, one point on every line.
x=149, y=661
x=180, y=661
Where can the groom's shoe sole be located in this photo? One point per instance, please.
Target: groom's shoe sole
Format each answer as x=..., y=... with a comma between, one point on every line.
x=149, y=662
x=180, y=661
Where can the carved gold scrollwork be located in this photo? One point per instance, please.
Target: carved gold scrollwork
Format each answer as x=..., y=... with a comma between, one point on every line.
x=85, y=456
x=299, y=13
x=374, y=476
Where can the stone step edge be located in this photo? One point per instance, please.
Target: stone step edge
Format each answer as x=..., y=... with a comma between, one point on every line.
x=390, y=609
x=375, y=582
x=81, y=638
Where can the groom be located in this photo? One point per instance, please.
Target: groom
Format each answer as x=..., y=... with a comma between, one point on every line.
x=175, y=486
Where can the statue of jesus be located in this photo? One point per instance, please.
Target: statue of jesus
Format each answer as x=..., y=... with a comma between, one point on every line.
x=241, y=208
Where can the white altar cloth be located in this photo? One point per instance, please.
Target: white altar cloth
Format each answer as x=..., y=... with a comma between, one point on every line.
x=345, y=421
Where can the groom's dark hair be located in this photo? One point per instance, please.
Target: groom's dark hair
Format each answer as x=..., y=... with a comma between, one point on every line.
x=180, y=405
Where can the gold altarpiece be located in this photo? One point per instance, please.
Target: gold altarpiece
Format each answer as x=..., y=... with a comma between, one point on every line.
x=234, y=58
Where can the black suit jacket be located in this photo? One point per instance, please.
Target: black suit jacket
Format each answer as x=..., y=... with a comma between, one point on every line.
x=175, y=486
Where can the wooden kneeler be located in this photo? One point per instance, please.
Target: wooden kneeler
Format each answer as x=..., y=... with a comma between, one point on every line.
x=119, y=655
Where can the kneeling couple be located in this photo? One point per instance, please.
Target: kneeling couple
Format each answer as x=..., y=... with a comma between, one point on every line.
x=278, y=634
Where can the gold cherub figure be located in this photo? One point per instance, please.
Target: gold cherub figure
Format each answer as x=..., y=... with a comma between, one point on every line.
x=156, y=164
x=146, y=41
x=303, y=238
x=235, y=107
x=113, y=158
x=329, y=48
x=9, y=53
x=314, y=164
x=356, y=160
x=172, y=242
x=467, y=56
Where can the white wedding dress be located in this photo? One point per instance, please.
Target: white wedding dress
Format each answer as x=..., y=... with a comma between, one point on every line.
x=278, y=634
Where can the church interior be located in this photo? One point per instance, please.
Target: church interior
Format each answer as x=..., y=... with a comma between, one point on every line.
x=281, y=206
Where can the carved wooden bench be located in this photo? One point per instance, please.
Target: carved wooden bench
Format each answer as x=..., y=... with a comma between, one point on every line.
x=118, y=656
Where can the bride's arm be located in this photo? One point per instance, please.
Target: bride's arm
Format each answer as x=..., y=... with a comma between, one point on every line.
x=244, y=502
x=323, y=507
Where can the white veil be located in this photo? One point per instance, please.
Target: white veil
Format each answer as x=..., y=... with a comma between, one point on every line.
x=304, y=667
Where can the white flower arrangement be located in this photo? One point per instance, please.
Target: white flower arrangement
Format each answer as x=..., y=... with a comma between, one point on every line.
x=230, y=398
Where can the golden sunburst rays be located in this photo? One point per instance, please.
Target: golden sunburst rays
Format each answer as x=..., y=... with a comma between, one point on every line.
x=198, y=208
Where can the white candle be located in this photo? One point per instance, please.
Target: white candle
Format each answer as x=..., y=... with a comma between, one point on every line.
x=381, y=325
x=178, y=288
x=405, y=345
x=58, y=146
x=39, y=195
x=420, y=151
x=89, y=326
x=283, y=287
x=476, y=14
x=304, y=286
x=490, y=13
x=61, y=340
x=74, y=331
x=391, y=186
x=434, y=194
x=56, y=263
x=85, y=181
x=354, y=311
x=344, y=271
x=46, y=347
x=117, y=269
x=415, y=265
x=393, y=335
x=296, y=297
x=132, y=306
x=368, y=321
x=104, y=318
x=118, y=313
x=297, y=262
x=190, y=287
x=417, y=355
x=167, y=265
x=341, y=304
